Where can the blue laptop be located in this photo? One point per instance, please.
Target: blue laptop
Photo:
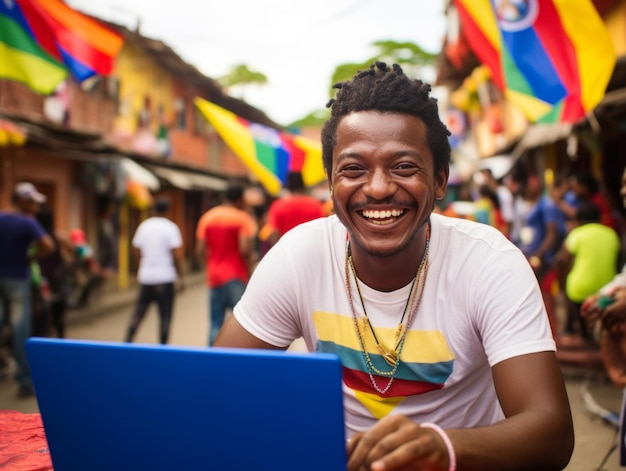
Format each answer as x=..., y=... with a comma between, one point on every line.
x=116, y=406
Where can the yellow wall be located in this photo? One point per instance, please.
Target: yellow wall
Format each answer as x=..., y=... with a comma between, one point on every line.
x=141, y=77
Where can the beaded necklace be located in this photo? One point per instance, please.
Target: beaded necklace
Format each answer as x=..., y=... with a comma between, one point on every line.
x=392, y=357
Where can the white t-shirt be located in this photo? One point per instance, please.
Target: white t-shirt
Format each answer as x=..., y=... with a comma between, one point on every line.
x=155, y=238
x=505, y=197
x=481, y=305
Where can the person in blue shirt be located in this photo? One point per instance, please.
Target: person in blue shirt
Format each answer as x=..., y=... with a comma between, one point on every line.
x=540, y=238
x=19, y=232
x=544, y=227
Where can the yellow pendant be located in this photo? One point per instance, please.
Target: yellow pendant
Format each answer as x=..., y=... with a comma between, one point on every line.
x=390, y=357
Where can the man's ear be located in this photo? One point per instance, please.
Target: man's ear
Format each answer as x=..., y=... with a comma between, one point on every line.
x=441, y=182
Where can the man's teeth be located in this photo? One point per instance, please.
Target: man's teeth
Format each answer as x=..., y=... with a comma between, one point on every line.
x=375, y=214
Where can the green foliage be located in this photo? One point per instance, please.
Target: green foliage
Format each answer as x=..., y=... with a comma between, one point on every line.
x=242, y=75
x=313, y=119
x=409, y=55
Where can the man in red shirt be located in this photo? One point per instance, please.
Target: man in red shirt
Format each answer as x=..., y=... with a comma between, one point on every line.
x=293, y=209
x=225, y=236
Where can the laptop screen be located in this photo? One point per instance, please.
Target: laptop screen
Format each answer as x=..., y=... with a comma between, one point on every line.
x=118, y=406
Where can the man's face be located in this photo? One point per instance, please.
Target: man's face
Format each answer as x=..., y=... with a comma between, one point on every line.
x=383, y=179
x=29, y=206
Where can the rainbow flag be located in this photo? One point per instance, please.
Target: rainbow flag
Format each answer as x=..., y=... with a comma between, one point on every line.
x=268, y=153
x=21, y=58
x=85, y=46
x=552, y=58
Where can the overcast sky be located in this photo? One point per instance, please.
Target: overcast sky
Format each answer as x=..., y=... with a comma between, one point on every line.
x=296, y=44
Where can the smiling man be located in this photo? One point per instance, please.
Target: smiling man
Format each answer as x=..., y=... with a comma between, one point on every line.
x=448, y=359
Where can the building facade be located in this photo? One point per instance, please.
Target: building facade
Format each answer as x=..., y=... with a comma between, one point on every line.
x=102, y=150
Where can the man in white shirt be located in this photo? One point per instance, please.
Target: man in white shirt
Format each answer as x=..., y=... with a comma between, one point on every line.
x=440, y=369
x=159, y=242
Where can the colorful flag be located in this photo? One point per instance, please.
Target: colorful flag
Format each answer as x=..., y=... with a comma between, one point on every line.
x=84, y=45
x=552, y=58
x=268, y=153
x=422, y=370
x=21, y=58
x=11, y=134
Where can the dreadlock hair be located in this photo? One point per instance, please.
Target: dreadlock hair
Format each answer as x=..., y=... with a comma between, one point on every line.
x=386, y=90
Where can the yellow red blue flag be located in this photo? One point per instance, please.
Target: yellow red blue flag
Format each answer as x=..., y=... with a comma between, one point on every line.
x=552, y=58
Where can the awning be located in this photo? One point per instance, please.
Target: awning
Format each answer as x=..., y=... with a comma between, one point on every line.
x=610, y=110
x=499, y=165
x=186, y=180
x=206, y=182
x=139, y=174
x=538, y=135
x=173, y=177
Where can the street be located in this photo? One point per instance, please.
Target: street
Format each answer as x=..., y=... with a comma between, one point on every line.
x=190, y=328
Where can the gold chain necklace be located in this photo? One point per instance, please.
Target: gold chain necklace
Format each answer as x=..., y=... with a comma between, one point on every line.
x=392, y=357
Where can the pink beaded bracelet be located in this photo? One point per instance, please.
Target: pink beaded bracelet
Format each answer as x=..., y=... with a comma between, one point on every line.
x=444, y=436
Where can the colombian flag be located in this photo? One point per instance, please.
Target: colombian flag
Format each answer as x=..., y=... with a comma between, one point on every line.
x=420, y=370
x=268, y=153
x=552, y=58
x=83, y=45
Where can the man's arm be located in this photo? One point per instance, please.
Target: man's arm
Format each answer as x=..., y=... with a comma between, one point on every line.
x=232, y=334
x=177, y=257
x=136, y=251
x=246, y=247
x=563, y=261
x=549, y=241
x=536, y=434
x=274, y=237
x=201, y=250
x=45, y=246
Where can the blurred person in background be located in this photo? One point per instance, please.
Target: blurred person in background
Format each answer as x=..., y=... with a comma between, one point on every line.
x=487, y=210
x=56, y=272
x=158, y=244
x=605, y=315
x=22, y=239
x=583, y=187
x=515, y=181
x=87, y=273
x=225, y=239
x=504, y=196
x=540, y=239
x=292, y=209
x=588, y=259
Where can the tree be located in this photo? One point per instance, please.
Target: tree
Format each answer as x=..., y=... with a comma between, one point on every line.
x=241, y=76
x=410, y=56
x=315, y=118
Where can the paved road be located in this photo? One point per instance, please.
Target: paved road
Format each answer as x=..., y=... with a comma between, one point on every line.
x=190, y=328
